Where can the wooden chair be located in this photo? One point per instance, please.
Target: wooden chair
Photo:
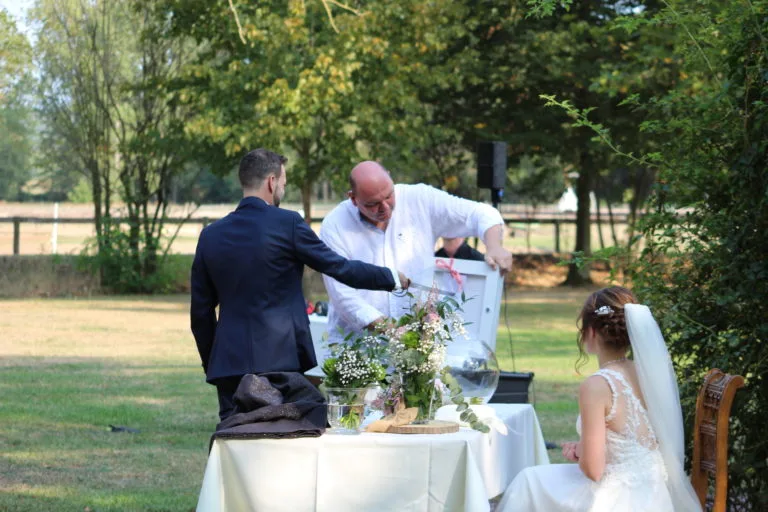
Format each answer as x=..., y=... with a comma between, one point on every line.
x=710, y=435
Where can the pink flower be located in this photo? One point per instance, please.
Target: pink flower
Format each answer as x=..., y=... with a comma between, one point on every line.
x=432, y=318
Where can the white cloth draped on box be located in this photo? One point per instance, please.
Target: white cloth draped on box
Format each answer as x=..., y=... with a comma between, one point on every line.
x=422, y=214
x=373, y=472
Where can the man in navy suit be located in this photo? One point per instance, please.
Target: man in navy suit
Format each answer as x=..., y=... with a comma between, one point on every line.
x=250, y=265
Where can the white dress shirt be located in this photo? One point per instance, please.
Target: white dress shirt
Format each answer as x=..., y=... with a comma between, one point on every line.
x=422, y=214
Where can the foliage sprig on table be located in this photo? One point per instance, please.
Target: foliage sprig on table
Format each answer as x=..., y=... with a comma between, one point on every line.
x=465, y=413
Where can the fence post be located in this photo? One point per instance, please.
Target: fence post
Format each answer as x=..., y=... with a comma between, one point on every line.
x=16, y=235
x=557, y=236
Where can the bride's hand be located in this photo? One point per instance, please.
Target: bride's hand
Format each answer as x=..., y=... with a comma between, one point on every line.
x=569, y=451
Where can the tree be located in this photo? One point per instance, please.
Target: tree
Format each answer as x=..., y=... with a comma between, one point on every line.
x=624, y=185
x=288, y=86
x=327, y=94
x=703, y=269
x=102, y=70
x=535, y=181
x=507, y=60
x=15, y=145
x=15, y=113
x=148, y=123
x=75, y=52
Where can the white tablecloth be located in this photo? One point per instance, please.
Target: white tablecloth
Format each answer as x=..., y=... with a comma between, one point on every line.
x=372, y=472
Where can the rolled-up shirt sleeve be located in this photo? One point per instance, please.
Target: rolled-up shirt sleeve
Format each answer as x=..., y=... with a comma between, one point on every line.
x=454, y=216
x=347, y=301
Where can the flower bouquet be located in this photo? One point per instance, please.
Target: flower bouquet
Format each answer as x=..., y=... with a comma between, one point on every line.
x=416, y=347
x=351, y=373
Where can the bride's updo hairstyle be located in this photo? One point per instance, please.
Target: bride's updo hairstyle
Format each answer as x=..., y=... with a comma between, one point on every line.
x=603, y=311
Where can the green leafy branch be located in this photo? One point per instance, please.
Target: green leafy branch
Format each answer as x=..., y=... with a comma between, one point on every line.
x=610, y=255
x=326, y=5
x=543, y=8
x=466, y=414
x=581, y=118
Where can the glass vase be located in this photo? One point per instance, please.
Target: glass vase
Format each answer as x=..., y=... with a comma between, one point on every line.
x=347, y=408
x=474, y=366
x=418, y=390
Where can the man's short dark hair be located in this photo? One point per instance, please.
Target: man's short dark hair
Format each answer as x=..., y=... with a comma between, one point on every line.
x=258, y=165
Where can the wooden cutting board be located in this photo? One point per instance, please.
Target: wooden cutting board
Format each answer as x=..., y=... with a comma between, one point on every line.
x=433, y=427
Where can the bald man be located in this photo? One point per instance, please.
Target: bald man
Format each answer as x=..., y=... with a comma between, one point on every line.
x=397, y=226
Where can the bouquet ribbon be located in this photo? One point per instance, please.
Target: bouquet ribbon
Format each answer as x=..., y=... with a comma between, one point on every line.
x=452, y=271
x=402, y=416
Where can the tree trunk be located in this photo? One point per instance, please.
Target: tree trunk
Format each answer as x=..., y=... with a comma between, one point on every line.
x=599, y=222
x=579, y=276
x=96, y=194
x=531, y=216
x=306, y=200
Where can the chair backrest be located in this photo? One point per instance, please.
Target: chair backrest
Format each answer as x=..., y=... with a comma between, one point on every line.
x=710, y=435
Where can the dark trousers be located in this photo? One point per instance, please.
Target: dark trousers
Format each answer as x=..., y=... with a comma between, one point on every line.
x=226, y=388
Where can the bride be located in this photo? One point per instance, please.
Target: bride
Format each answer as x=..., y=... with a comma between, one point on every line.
x=630, y=455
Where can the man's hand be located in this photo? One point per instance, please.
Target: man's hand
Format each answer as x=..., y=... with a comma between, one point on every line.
x=381, y=324
x=500, y=258
x=569, y=451
x=495, y=254
x=404, y=281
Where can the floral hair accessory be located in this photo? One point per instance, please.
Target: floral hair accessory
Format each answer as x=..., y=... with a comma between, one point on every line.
x=604, y=310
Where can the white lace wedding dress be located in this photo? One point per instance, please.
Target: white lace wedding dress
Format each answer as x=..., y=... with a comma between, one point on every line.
x=634, y=479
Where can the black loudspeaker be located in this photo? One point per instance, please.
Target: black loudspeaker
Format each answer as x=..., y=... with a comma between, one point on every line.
x=513, y=388
x=491, y=164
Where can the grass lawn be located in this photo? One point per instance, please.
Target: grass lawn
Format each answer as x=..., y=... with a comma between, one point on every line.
x=71, y=368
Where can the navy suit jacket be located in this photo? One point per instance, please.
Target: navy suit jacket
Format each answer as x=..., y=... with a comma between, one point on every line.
x=250, y=264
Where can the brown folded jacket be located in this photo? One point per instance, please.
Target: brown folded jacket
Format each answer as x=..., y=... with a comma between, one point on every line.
x=276, y=405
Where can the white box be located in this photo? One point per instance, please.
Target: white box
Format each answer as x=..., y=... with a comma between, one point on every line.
x=482, y=286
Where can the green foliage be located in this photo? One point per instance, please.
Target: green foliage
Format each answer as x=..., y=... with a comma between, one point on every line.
x=537, y=180
x=116, y=122
x=288, y=87
x=703, y=269
x=509, y=55
x=81, y=193
x=354, y=363
x=123, y=273
x=466, y=414
x=15, y=54
x=15, y=146
x=542, y=8
x=326, y=95
x=16, y=119
x=205, y=187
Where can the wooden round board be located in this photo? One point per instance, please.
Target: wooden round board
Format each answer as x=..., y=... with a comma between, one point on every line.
x=433, y=427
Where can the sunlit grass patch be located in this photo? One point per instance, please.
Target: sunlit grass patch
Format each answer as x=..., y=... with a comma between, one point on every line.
x=71, y=368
